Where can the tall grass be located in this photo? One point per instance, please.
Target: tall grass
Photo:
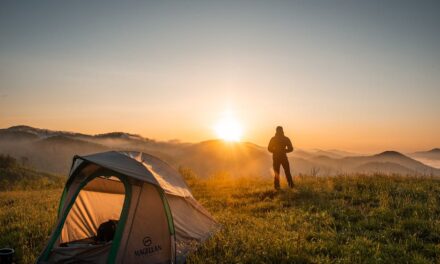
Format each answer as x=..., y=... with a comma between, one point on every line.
x=26, y=220
x=356, y=219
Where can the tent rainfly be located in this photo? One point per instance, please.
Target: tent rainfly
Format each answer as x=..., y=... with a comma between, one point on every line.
x=126, y=207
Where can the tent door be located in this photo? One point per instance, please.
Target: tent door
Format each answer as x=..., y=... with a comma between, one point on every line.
x=99, y=198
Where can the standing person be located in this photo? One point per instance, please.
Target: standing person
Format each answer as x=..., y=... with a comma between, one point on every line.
x=279, y=146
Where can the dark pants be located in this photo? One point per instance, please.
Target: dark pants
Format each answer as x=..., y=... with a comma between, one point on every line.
x=277, y=162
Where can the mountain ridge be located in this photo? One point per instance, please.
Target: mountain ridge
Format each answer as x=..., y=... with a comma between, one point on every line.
x=52, y=151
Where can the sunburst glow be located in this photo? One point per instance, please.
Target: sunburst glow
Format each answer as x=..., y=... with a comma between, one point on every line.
x=229, y=129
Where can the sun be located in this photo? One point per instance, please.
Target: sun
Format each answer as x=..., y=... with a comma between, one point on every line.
x=229, y=129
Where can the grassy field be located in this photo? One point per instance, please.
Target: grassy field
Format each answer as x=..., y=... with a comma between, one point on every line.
x=356, y=219
x=26, y=220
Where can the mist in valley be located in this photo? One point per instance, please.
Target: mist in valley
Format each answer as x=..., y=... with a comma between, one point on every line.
x=52, y=151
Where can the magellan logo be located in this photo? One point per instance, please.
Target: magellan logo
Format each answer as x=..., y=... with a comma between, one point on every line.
x=148, y=249
x=147, y=241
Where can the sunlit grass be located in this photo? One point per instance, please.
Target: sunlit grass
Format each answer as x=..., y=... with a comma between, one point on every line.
x=358, y=219
x=26, y=221
x=323, y=220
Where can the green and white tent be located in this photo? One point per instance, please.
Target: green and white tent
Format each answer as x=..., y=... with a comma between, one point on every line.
x=158, y=219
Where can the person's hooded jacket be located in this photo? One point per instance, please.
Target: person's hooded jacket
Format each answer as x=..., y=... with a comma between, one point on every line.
x=280, y=145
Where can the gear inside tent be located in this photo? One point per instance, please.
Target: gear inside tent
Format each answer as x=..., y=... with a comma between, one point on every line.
x=126, y=207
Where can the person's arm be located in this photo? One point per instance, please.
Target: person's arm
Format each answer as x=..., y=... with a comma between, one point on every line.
x=289, y=147
x=270, y=147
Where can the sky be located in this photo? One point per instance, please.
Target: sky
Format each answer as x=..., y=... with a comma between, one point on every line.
x=354, y=75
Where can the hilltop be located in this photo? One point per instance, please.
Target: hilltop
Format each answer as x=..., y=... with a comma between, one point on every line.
x=350, y=219
x=355, y=219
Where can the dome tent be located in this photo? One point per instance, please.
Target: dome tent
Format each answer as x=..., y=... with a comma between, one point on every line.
x=157, y=218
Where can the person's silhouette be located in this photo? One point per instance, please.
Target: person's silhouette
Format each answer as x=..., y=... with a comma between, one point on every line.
x=279, y=146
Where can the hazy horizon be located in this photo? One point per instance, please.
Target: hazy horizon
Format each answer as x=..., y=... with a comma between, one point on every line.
x=356, y=76
x=176, y=140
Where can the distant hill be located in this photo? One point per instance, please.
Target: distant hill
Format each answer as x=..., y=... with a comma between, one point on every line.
x=44, y=152
x=213, y=156
x=390, y=160
x=56, y=152
x=433, y=154
x=14, y=176
x=119, y=135
x=17, y=135
x=343, y=153
x=383, y=168
x=333, y=153
x=40, y=133
x=430, y=157
x=52, y=151
x=299, y=153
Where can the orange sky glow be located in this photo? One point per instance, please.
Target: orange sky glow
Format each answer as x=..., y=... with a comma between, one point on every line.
x=359, y=77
